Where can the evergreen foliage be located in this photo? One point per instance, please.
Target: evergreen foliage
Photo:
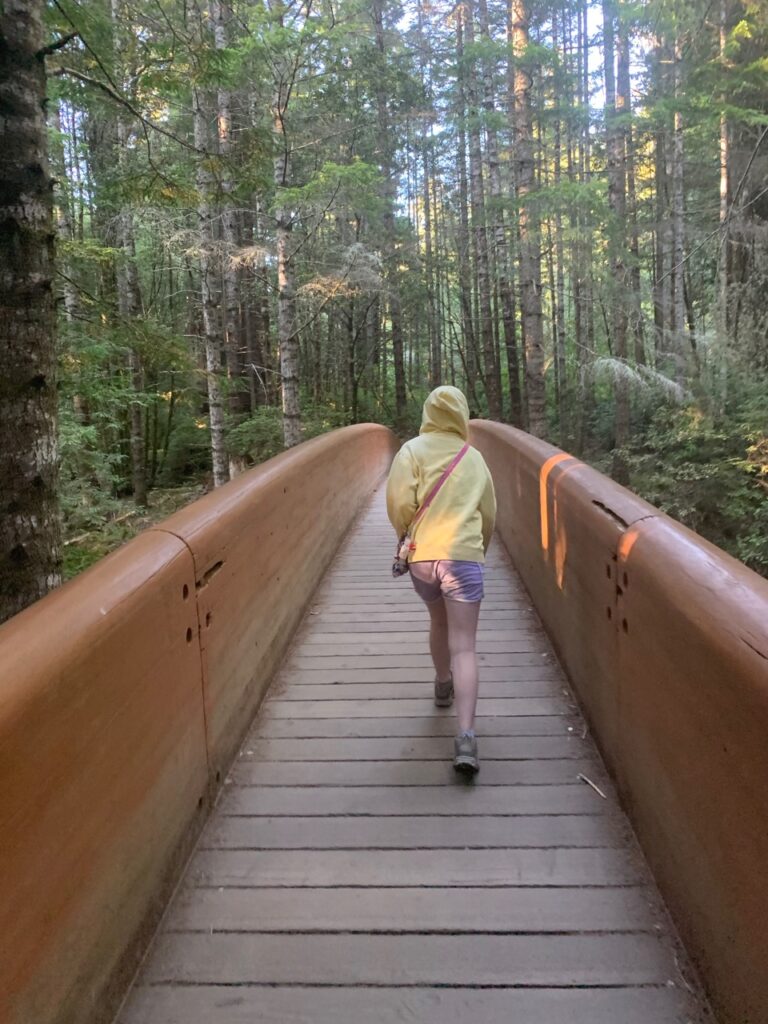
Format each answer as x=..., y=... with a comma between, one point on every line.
x=349, y=128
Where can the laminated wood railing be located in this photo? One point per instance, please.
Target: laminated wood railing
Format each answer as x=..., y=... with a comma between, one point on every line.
x=665, y=639
x=123, y=697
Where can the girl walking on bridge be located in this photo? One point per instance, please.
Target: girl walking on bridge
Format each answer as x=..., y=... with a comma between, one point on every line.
x=440, y=493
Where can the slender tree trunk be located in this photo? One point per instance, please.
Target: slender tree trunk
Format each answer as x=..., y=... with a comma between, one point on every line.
x=558, y=283
x=678, y=214
x=130, y=309
x=211, y=332
x=287, y=334
x=480, y=235
x=389, y=196
x=29, y=523
x=433, y=327
x=530, y=242
x=249, y=326
x=435, y=371
x=723, y=268
x=465, y=286
x=499, y=232
x=263, y=340
x=575, y=169
x=128, y=291
x=624, y=96
x=617, y=244
x=661, y=280
x=238, y=400
x=64, y=226
x=585, y=309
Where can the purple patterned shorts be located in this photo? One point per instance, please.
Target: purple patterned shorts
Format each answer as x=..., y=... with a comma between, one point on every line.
x=453, y=580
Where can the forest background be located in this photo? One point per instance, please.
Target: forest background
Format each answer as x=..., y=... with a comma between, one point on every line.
x=276, y=218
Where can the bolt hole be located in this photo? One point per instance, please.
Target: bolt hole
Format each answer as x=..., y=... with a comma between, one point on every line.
x=200, y=804
x=609, y=613
x=189, y=635
x=185, y=591
x=208, y=620
x=218, y=776
x=625, y=625
x=619, y=591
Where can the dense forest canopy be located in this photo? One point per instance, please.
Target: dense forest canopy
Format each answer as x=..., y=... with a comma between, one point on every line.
x=274, y=218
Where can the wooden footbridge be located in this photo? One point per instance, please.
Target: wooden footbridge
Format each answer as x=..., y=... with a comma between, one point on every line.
x=167, y=858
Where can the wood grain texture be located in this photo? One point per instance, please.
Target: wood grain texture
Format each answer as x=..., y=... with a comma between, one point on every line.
x=468, y=868
x=419, y=726
x=404, y=748
x=413, y=772
x=361, y=1005
x=540, y=960
x=415, y=910
x=428, y=833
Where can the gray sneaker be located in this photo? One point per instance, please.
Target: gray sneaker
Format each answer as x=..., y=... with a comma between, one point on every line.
x=444, y=694
x=465, y=758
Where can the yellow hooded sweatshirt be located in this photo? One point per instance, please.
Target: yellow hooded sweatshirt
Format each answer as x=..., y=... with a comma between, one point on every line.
x=459, y=522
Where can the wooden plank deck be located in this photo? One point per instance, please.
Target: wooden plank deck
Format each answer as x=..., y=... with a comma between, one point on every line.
x=348, y=876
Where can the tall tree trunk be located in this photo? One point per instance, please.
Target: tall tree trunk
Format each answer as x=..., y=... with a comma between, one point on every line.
x=678, y=214
x=263, y=338
x=130, y=309
x=723, y=267
x=238, y=400
x=661, y=279
x=558, y=284
x=499, y=232
x=480, y=234
x=585, y=327
x=435, y=371
x=286, y=294
x=462, y=235
x=530, y=242
x=386, y=148
x=29, y=523
x=433, y=324
x=624, y=103
x=287, y=333
x=129, y=302
x=64, y=225
x=211, y=331
x=617, y=244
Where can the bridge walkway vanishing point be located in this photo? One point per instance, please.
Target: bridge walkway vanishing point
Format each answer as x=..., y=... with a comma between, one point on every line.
x=347, y=874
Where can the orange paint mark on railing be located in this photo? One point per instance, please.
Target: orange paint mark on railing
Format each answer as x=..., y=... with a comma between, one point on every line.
x=544, y=474
x=561, y=538
x=561, y=551
x=627, y=542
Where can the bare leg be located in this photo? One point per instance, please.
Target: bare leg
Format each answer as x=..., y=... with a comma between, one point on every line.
x=462, y=619
x=438, y=640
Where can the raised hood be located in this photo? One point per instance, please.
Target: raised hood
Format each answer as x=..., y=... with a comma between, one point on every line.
x=446, y=410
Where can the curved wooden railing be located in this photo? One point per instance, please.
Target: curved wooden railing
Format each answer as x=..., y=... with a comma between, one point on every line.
x=123, y=697
x=665, y=639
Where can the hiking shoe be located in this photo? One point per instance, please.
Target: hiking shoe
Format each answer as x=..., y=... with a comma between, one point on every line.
x=444, y=694
x=465, y=758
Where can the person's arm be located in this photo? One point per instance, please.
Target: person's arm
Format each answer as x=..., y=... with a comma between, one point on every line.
x=488, y=510
x=401, y=492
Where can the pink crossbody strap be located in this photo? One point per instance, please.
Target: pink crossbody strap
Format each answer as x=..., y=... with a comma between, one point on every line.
x=433, y=493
